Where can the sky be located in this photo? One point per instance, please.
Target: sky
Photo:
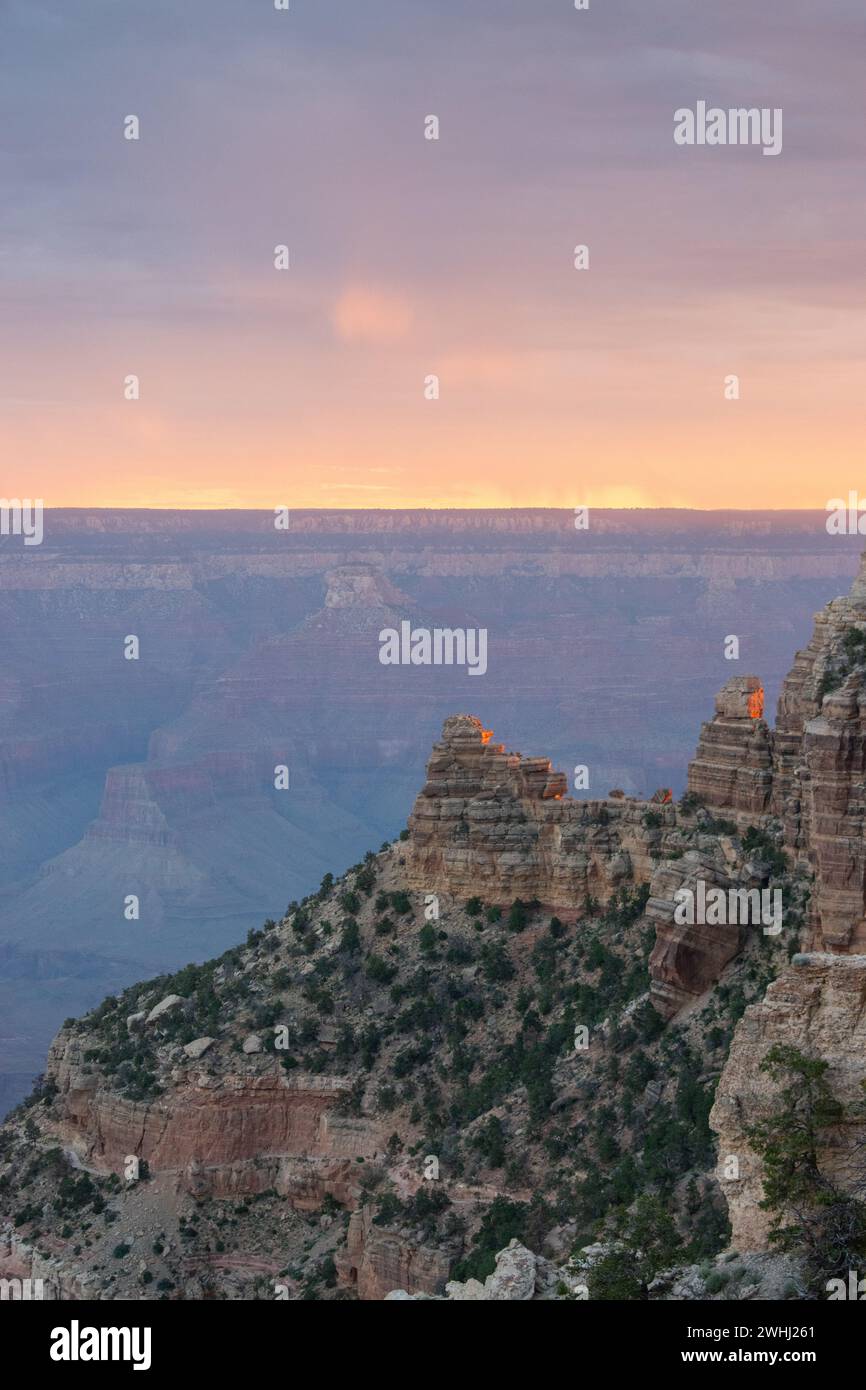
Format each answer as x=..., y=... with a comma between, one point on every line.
x=412, y=258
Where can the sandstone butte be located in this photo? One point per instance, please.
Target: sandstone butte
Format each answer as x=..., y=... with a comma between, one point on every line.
x=492, y=824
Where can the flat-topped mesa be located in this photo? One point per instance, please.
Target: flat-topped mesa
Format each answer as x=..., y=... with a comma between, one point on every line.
x=732, y=771
x=493, y=824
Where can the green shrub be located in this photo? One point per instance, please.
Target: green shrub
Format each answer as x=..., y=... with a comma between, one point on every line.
x=495, y=963
x=518, y=916
x=379, y=970
x=351, y=936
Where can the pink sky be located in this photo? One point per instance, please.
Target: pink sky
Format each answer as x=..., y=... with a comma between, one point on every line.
x=409, y=258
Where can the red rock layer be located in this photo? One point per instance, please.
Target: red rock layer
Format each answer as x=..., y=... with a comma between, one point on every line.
x=221, y=1134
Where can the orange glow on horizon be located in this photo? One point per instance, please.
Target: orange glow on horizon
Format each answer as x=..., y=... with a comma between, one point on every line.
x=256, y=439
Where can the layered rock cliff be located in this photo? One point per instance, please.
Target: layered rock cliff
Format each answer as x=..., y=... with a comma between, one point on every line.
x=495, y=824
x=817, y=1007
x=485, y=818
x=500, y=825
x=732, y=769
x=217, y=1131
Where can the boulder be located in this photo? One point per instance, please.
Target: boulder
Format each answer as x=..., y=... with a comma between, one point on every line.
x=512, y=1281
x=171, y=1001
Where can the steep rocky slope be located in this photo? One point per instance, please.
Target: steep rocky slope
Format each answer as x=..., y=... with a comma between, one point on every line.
x=362, y=1099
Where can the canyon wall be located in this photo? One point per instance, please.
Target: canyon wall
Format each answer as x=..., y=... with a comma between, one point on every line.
x=818, y=1006
x=219, y=1133
x=493, y=824
x=377, y=1260
x=260, y=648
x=496, y=825
x=810, y=772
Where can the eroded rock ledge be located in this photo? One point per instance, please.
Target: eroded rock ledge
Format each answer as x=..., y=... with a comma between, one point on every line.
x=220, y=1133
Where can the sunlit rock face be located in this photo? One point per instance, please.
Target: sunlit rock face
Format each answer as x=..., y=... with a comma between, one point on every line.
x=732, y=770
